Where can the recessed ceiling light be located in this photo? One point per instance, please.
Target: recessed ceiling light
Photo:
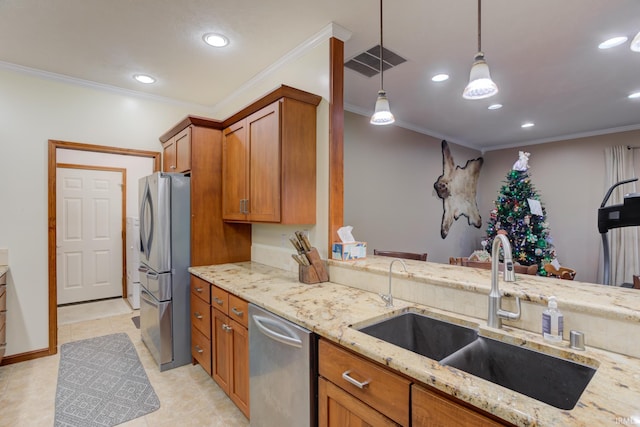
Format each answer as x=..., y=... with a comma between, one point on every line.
x=440, y=77
x=527, y=125
x=215, y=40
x=612, y=42
x=634, y=95
x=143, y=78
x=494, y=106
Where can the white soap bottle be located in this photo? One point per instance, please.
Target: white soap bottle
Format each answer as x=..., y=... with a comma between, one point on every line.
x=552, y=322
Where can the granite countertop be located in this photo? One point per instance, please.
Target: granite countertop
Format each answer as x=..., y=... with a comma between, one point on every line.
x=329, y=309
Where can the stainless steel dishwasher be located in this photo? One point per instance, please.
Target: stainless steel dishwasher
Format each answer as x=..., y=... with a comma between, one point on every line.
x=282, y=372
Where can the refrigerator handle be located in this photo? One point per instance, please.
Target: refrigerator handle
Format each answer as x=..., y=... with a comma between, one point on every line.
x=148, y=298
x=291, y=340
x=146, y=204
x=142, y=269
x=152, y=275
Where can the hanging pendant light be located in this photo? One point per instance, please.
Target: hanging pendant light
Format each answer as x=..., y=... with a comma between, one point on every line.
x=382, y=114
x=480, y=84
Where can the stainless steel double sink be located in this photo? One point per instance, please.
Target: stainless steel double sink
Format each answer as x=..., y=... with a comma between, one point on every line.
x=549, y=379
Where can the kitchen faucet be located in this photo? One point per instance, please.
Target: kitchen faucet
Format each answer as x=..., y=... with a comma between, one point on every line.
x=388, y=298
x=496, y=314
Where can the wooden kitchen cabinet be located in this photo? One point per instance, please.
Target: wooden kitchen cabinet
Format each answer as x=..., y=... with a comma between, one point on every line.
x=431, y=409
x=201, y=323
x=269, y=164
x=230, y=346
x=337, y=408
x=196, y=143
x=176, y=155
x=381, y=398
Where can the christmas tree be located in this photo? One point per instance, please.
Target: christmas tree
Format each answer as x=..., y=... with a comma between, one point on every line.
x=519, y=212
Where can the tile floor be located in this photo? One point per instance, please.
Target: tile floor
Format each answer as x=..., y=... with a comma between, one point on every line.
x=188, y=396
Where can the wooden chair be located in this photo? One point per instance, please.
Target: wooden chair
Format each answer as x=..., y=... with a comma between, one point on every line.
x=561, y=273
x=520, y=269
x=404, y=255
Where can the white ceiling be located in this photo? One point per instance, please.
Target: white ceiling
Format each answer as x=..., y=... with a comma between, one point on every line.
x=543, y=55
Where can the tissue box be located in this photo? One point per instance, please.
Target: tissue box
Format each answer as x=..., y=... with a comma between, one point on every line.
x=349, y=251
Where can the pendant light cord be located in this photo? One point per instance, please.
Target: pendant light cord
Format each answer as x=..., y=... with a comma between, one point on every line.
x=479, y=27
x=381, y=51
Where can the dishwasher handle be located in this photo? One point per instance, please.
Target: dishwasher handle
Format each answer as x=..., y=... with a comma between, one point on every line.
x=262, y=322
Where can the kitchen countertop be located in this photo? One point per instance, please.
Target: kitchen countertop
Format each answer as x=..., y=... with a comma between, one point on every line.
x=329, y=309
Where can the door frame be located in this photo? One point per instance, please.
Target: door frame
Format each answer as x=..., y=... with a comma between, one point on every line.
x=123, y=214
x=52, y=219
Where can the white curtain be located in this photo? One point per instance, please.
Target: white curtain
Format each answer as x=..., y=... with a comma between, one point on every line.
x=623, y=242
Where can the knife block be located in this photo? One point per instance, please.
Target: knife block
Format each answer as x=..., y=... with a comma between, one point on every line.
x=314, y=273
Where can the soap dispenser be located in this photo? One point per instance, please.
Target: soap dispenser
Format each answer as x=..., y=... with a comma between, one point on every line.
x=552, y=322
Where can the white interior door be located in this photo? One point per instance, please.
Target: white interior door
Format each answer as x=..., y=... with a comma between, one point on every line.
x=89, y=234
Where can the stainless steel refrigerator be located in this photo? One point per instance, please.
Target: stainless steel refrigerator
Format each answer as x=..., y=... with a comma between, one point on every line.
x=165, y=218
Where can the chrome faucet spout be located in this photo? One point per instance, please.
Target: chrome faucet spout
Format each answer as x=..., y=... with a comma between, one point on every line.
x=496, y=314
x=388, y=298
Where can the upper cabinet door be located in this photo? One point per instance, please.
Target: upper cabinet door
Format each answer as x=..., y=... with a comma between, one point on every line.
x=235, y=172
x=183, y=151
x=177, y=153
x=269, y=165
x=264, y=164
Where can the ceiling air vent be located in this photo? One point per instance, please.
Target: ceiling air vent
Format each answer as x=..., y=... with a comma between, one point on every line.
x=367, y=63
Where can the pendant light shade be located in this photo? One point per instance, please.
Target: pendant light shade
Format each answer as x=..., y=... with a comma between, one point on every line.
x=382, y=114
x=635, y=43
x=480, y=84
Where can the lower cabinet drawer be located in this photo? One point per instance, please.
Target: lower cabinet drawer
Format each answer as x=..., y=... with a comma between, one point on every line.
x=201, y=349
x=200, y=315
x=381, y=389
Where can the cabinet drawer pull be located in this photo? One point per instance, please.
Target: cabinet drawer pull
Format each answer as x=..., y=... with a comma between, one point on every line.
x=199, y=290
x=197, y=315
x=237, y=312
x=218, y=301
x=198, y=349
x=346, y=376
x=172, y=167
x=226, y=327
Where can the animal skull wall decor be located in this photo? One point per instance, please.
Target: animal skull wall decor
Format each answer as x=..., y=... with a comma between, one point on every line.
x=457, y=189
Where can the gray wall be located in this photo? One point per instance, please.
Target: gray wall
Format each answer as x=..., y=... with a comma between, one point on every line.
x=389, y=197
x=388, y=191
